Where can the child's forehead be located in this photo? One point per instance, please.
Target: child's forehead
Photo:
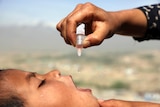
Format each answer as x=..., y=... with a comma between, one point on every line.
x=15, y=78
x=9, y=71
x=8, y=78
x=15, y=71
x=14, y=74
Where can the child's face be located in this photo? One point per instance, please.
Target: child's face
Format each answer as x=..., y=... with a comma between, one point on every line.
x=49, y=90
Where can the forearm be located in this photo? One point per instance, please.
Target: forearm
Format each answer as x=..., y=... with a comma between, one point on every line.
x=132, y=22
x=142, y=23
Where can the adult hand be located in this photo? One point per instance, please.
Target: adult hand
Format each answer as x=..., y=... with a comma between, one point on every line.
x=99, y=25
x=114, y=103
x=121, y=103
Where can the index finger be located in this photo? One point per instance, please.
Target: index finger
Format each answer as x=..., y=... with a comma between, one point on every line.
x=78, y=16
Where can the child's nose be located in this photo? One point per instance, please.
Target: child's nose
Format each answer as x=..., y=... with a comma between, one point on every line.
x=54, y=73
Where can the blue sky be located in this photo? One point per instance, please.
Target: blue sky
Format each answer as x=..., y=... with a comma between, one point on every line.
x=51, y=11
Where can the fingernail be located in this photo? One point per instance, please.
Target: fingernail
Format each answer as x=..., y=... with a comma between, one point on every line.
x=86, y=43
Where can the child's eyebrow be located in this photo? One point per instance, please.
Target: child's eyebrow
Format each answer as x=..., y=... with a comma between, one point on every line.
x=30, y=75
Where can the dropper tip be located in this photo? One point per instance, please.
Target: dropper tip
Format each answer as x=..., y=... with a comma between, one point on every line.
x=79, y=52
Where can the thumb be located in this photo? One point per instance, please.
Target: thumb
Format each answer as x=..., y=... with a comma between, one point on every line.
x=95, y=38
x=92, y=40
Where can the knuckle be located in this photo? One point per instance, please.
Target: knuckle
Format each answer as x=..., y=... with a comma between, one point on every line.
x=79, y=5
x=88, y=4
x=89, y=8
x=69, y=20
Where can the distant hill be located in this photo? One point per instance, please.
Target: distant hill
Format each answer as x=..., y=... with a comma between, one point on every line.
x=41, y=38
x=30, y=38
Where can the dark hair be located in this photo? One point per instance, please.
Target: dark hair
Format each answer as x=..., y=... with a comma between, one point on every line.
x=8, y=98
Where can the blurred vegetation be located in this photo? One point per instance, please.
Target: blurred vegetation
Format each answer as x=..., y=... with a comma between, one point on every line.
x=116, y=85
x=119, y=85
x=119, y=70
x=90, y=84
x=109, y=59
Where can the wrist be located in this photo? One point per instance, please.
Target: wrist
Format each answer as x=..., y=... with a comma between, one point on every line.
x=132, y=22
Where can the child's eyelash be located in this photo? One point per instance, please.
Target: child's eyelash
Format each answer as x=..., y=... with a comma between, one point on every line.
x=42, y=83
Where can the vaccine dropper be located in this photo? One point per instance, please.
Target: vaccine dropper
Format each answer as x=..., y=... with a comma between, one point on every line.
x=80, y=36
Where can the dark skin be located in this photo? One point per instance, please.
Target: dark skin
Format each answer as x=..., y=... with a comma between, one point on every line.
x=100, y=25
x=48, y=90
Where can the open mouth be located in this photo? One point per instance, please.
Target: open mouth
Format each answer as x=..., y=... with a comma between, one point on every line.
x=81, y=89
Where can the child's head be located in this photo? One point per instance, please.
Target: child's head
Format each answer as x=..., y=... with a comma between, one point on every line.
x=28, y=89
x=8, y=96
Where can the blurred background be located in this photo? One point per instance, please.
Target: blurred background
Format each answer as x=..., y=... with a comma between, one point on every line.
x=119, y=68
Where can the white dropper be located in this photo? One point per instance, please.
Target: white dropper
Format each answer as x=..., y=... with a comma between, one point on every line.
x=80, y=36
